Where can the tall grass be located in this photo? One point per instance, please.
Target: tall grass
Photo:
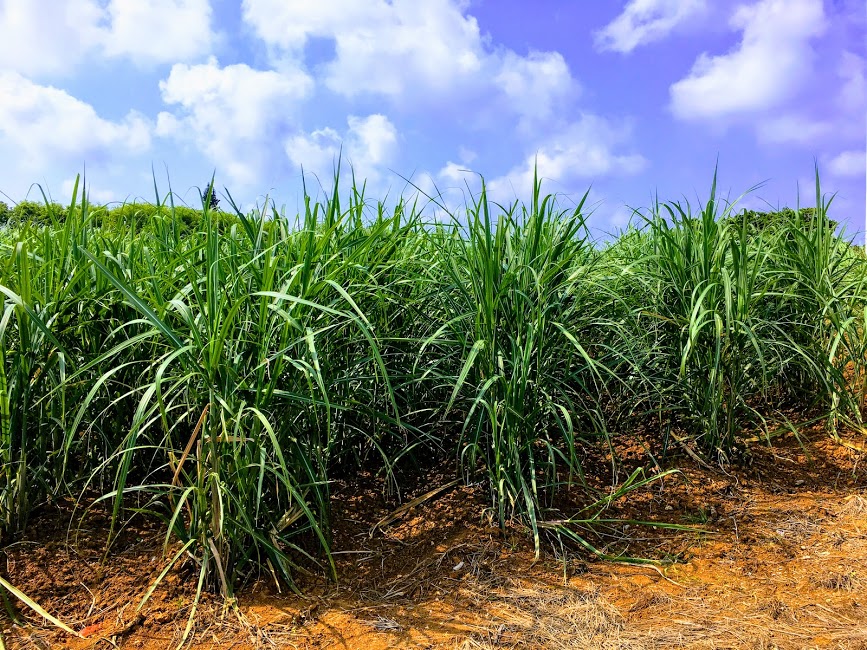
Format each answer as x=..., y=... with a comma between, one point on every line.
x=705, y=290
x=220, y=378
x=520, y=348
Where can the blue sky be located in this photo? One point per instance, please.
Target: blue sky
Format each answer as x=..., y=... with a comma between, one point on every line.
x=626, y=98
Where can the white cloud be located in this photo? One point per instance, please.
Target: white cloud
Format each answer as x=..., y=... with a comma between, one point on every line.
x=848, y=163
x=49, y=36
x=583, y=150
x=853, y=93
x=446, y=194
x=410, y=52
x=792, y=129
x=381, y=47
x=620, y=217
x=158, y=31
x=370, y=144
x=466, y=155
x=375, y=136
x=762, y=70
x=46, y=125
x=53, y=36
x=645, y=21
x=453, y=172
x=233, y=114
x=96, y=195
x=535, y=83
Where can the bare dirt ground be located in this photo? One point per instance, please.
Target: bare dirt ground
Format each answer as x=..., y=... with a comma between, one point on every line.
x=778, y=560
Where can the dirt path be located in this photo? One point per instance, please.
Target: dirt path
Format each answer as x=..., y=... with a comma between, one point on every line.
x=782, y=563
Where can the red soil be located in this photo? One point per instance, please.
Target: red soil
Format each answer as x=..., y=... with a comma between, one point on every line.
x=781, y=563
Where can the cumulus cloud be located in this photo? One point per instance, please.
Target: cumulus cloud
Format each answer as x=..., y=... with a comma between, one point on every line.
x=535, y=83
x=45, y=125
x=645, y=21
x=466, y=155
x=792, y=129
x=853, y=92
x=410, y=52
x=763, y=70
x=453, y=172
x=369, y=145
x=158, y=31
x=233, y=114
x=97, y=195
x=451, y=186
x=51, y=37
x=848, y=163
x=381, y=47
x=583, y=150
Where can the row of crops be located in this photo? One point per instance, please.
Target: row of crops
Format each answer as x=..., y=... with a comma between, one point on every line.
x=219, y=372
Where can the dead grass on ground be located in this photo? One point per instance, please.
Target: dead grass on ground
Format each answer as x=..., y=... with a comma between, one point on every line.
x=777, y=560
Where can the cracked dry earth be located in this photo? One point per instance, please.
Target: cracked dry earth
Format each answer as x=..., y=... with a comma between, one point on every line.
x=777, y=559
